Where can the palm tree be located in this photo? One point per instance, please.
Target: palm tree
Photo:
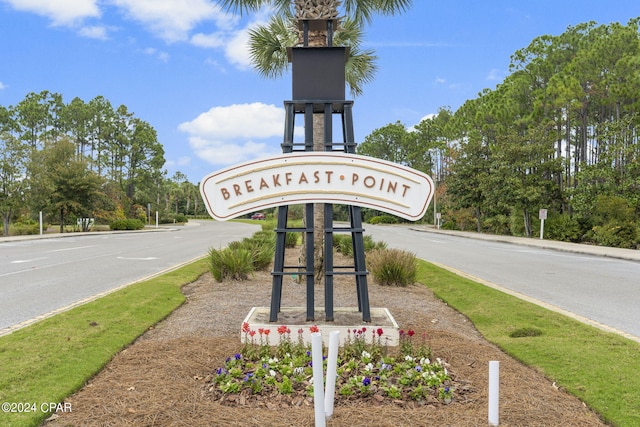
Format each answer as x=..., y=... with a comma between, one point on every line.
x=268, y=50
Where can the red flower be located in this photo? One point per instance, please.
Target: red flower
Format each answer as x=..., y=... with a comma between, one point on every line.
x=379, y=331
x=314, y=328
x=260, y=331
x=266, y=331
x=245, y=327
x=252, y=333
x=410, y=332
x=282, y=330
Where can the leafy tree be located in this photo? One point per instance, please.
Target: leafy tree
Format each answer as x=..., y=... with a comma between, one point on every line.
x=388, y=143
x=13, y=169
x=144, y=155
x=38, y=117
x=63, y=183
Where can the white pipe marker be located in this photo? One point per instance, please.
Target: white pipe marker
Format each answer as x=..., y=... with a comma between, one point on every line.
x=494, y=392
x=332, y=365
x=318, y=380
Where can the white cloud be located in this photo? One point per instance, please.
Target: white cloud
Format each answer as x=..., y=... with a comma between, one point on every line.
x=256, y=120
x=172, y=20
x=227, y=135
x=207, y=40
x=180, y=161
x=161, y=55
x=2, y=86
x=61, y=12
x=94, y=32
x=237, y=50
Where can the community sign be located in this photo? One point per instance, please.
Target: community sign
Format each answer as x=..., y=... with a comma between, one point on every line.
x=317, y=177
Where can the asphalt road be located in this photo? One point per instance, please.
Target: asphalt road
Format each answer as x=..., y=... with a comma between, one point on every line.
x=41, y=276
x=599, y=289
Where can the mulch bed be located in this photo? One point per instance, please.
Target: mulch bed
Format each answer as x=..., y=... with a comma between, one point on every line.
x=161, y=379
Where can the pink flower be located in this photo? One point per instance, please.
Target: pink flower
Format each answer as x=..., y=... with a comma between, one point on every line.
x=314, y=328
x=245, y=327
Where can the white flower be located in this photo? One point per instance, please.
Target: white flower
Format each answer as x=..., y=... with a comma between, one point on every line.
x=369, y=367
x=408, y=358
x=272, y=373
x=365, y=355
x=425, y=361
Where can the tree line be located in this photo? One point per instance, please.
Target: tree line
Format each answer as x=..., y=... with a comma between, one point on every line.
x=84, y=160
x=559, y=133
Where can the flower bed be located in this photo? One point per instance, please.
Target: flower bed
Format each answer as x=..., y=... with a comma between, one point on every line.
x=367, y=369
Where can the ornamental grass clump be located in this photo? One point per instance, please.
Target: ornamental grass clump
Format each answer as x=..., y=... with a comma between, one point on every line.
x=230, y=264
x=392, y=267
x=366, y=369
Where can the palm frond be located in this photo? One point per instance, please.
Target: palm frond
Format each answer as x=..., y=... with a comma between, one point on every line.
x=363, y=10
x=268, y=46
x=244, y=6
x=360, y=69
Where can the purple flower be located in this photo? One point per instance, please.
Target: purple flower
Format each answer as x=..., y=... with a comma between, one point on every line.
x=366, y=381
x=238, y=356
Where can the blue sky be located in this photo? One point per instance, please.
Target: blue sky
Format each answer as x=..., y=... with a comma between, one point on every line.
x=181, y=65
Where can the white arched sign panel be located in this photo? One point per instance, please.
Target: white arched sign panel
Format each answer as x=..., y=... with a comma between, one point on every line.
x=317, y=177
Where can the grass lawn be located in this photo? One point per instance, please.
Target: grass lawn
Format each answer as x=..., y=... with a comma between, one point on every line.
x=52, y=359
x=49, y=360
x=600, y=368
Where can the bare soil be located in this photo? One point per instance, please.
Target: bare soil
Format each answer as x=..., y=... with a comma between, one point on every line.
x=161, y=379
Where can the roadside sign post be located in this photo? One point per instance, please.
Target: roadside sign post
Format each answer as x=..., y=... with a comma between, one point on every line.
x=542, y=215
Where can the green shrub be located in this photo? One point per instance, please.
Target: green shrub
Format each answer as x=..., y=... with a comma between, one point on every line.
x=291, y=239
x=21, y=228
x=562, y=227
x=342, y=243
x=172, y=218
x=126, y=224
x=392, y=267
x=371, y=245
x=384, y=219
x=497, y=224
x=261, y=246
x=616, y=234
x=230, y=264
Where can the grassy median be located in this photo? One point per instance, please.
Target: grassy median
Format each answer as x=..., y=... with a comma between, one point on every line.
x=48, y=361
x=600, y=368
